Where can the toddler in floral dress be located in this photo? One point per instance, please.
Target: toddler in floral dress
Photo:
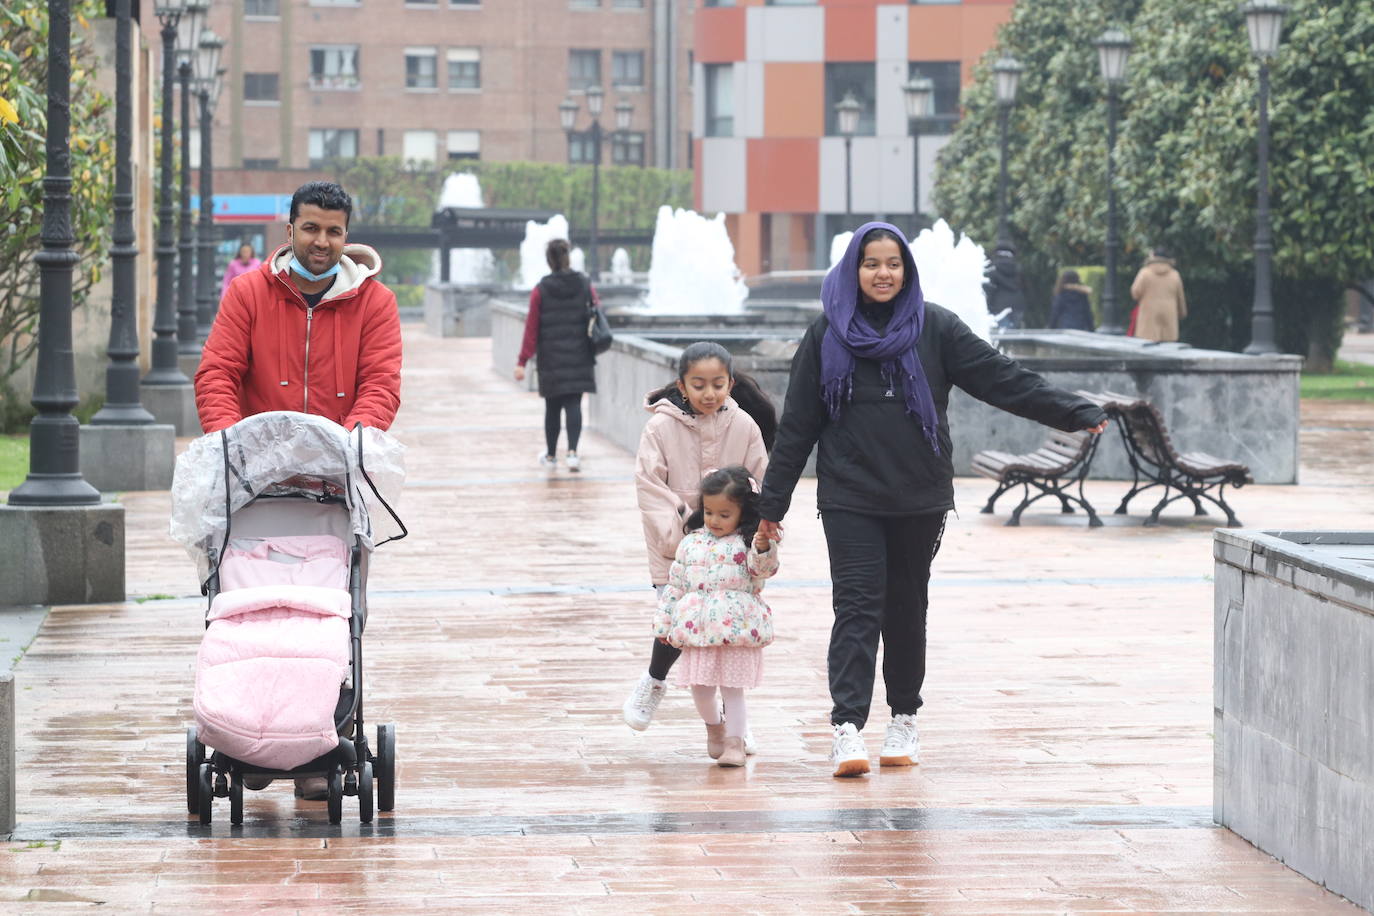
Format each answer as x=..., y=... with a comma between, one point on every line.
x=711, y=608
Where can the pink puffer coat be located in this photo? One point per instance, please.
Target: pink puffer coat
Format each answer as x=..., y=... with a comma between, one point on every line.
x=676, y=450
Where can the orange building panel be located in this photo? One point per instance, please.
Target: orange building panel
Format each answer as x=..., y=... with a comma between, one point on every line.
x=980, y=33
x=851, y=33
x=793, y=100
x=935, y=33
x=720, y=34
x=783, y=175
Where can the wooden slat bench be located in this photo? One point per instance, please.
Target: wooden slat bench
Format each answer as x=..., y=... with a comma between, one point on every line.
x=1061, y=462
x=1156, y=463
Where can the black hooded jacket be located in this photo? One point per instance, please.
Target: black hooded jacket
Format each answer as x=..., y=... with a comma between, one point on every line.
x=565, y=358
x=873, y=458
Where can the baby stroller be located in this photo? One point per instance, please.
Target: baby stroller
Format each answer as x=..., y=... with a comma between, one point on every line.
x=278, y=512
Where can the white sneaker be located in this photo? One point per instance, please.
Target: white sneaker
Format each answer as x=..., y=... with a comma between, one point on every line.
x=901, y=746
x=547, y=461
x=848, y=753
x=574, y=462
x=644, y=699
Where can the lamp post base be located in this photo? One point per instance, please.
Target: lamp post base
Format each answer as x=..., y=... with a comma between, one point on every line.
x=118, y=458
x=173, y=405
x=61, y=555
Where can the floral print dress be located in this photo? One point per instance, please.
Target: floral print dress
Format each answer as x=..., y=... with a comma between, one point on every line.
x=712, y=610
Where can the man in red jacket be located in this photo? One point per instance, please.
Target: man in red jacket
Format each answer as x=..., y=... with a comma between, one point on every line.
x=312, y=330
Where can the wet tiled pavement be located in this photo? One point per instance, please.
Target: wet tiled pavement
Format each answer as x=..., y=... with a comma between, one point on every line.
x=1066, y=743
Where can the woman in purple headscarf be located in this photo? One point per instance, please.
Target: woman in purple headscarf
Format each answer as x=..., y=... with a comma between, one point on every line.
x=870, y=382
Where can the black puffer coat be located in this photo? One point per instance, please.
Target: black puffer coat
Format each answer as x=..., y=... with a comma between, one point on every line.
x=566, y=361
x=874, y=458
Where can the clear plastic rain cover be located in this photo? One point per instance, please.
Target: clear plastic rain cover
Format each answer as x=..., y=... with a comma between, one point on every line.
x=283, y=452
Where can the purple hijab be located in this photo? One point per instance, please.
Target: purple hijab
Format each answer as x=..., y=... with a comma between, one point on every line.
x=850, y=337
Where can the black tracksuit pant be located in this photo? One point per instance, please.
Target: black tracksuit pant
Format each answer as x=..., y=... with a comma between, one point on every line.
x=880, y=570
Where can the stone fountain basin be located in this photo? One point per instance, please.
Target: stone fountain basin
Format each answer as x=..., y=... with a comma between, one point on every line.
x=1227, y=404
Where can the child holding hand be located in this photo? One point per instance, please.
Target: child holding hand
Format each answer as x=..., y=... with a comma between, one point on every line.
x=711, y=608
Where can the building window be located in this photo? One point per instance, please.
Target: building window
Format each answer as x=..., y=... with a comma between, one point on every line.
x=262, y=163
x=720, y=100
x=464, y=68
x=329, y=143
x=791, y=2
x=431, y=4
x=945, y=76
x=720, y=2
x=419, y=147
x=469, y=4
x=584, y=69
x=854, y=79
x=336, y=2
x=581, y=150
x=627, y=69
x=584, y=4
x=628, y=4
x=261, y=9
x=627, y=148
x=334, y=67
x=422, y=68
x=464, y=144
x=260, y=87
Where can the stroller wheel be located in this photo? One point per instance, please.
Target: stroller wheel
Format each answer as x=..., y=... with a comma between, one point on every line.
x=195, y=756
x=207, y=793
x=236, y=799
x=335, y=800
x=365, y=792
x=386, y=767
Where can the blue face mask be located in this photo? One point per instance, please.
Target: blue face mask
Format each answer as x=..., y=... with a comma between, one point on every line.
x=300, y=268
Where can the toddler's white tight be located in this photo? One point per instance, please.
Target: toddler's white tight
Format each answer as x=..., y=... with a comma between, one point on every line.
x=736, y=713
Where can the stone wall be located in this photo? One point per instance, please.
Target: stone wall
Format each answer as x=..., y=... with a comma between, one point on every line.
x=1293, y=711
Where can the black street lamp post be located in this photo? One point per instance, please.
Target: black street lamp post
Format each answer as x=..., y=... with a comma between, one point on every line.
x=917, y=92
x=165, y=370
x=567, y=114
x=209, y=80
x=54, y=435
x=1264, y=21
x=1006, y=78
x=188, y=33
x=122, y=405
x=1113, y=49
x=847, y=112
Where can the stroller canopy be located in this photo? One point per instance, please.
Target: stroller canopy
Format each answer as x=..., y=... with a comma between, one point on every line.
x=280, y=453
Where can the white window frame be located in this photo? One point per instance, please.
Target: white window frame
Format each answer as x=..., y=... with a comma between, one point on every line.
x=420, y=53
x=463, y=56
x=340, y=81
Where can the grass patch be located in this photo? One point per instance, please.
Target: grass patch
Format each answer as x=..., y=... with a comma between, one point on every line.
x=1350, y=382
x=14, y=461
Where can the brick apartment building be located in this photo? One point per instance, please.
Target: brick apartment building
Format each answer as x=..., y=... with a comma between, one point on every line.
x=768, y=150
x=439, y=80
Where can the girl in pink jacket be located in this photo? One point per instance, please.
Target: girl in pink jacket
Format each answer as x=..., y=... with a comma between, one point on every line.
x=708, y=418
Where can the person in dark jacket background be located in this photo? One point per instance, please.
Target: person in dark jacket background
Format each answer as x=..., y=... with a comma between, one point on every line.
x=870, y=382
x=1071, y=310
x=1002, y=285
x=556, y=336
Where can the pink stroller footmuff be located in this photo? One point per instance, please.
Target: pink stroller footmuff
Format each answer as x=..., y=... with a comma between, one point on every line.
x=276, y=651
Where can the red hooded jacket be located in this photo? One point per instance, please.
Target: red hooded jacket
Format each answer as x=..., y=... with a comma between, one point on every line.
x=268, y=351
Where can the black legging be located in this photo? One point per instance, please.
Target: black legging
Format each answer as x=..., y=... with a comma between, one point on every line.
x=563, y=403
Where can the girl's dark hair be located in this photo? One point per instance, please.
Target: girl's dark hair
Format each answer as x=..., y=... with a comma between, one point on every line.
x=1065, y=278
x=733, y=483
x=557, y=253
x=751, y=398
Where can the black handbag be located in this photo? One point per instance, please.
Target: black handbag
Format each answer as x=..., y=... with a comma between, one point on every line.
x=598, y=329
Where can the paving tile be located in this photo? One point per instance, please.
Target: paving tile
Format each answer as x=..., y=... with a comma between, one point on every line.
x=1069, y=671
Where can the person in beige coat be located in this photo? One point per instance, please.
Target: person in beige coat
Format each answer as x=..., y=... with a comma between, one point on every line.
x=708, y=418
x=1158, y=292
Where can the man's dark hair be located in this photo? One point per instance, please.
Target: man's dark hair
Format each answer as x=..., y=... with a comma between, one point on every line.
x=327, y=195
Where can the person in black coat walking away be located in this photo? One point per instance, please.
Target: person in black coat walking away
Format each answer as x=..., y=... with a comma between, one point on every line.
x=1071, y=310
x=556, y=336
x=870, y=382
x=1002, y=285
